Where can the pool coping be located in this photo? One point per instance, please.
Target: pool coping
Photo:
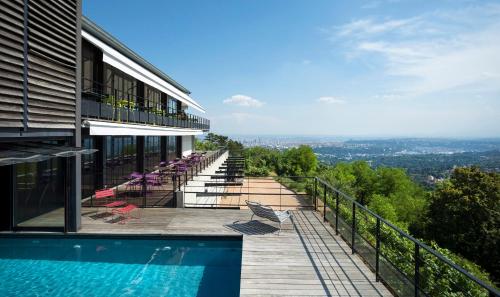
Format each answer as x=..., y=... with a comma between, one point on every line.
x=149, y=236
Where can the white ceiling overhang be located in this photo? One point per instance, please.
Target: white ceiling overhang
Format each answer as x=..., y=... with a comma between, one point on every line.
x=109, y=128
x=121, y=62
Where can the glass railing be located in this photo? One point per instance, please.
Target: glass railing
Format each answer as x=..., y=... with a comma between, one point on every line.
x=102, y=102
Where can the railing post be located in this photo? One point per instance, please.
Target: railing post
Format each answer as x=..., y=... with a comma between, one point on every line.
x=315, y=193
x=353, y=235
x=324, y=202
x=377, y=251
x=417, y=268
x=337, y=213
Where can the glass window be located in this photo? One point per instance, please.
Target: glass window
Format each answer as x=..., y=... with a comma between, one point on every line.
x=172, y=147
x=88, y=168
x=120, y=159
x=120, y=85
x=152, y=152
x=153, y=100
x=40, y=193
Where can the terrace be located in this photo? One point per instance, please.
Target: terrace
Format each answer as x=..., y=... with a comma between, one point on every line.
x=332, y=246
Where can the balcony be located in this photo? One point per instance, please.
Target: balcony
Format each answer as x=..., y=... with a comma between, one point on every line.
x=112, y=105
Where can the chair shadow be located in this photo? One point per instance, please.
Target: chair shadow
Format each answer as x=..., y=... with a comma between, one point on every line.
x=101, y=215
x=253, y=227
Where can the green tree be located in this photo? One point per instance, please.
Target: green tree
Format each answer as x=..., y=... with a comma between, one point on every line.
x=300, y=161
x=383, y=207
x=464, y=216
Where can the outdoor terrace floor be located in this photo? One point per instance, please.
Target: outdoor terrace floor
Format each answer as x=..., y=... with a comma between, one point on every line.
x=305, y=259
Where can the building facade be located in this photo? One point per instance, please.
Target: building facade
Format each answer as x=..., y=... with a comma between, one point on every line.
x=79, y=111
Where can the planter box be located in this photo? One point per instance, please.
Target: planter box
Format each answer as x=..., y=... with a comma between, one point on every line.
x=143, y=116
x=133, y=116
x=122, y=114
x=90, y=108
x=106, y=111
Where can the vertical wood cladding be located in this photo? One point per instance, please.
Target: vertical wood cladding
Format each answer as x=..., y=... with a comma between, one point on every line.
x=51, y=63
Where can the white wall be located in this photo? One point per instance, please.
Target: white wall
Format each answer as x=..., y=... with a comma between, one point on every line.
x=187, y=145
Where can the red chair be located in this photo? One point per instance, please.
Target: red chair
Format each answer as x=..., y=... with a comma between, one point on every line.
x=108, y=194
x=126, y=212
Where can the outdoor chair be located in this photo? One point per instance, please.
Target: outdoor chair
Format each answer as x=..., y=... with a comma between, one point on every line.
x=267, y=212
x=108, y=194
x=126, y=212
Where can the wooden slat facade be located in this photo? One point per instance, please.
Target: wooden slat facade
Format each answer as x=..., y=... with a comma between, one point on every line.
x=50, y=58
x=11, y=63
x=52, y=64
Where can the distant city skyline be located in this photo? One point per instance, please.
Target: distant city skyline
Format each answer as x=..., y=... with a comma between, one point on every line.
x=387, y=68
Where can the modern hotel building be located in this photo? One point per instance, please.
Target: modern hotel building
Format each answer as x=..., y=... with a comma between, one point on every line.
x=79, y=110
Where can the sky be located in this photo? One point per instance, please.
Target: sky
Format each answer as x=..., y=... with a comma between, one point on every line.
x=381, y=68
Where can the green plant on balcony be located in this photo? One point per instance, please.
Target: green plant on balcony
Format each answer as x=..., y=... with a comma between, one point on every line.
x=109, y=100
x=182, y=115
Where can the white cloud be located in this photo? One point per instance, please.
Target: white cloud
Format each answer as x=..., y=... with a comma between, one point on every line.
x=367, y=27
x=433, y=52
x=330, y=100
x=243, y=100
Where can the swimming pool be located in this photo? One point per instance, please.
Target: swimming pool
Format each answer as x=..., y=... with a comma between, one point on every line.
x=119, y=266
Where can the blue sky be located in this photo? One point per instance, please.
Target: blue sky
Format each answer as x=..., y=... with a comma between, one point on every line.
x=347, y=68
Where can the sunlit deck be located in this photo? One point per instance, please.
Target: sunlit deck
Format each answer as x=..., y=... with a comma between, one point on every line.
x=305, y=259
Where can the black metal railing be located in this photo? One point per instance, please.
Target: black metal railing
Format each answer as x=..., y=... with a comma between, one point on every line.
x=102, y=102
x=229, y=188
x=406, y=265
x=139, y=193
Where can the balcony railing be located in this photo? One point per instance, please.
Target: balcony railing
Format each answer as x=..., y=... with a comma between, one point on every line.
x=406, y=265
x=102, y=102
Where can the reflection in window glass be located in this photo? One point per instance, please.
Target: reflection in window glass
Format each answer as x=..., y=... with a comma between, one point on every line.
x=40, y=194
x=120, y=159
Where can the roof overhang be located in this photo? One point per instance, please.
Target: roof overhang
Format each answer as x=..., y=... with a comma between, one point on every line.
x=110, y=128
x=118, y=60
x=27, y=152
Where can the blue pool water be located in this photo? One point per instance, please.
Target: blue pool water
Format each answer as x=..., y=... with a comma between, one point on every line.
x=119, y=267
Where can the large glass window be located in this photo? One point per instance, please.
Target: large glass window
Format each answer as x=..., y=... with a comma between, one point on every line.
x=153, y=100
x=120, y=87
x=120, y=159
x=88, y=66
x=40, y=193
x=88, y=168
x=152, y=152
x=172, y=106
x=172, y=147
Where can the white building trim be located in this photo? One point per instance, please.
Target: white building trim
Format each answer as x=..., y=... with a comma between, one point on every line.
x=121, y=62
x=109, y=128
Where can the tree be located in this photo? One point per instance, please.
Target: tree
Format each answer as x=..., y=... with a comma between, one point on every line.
x=300, y=161
x=383, y=207
x=464, y=216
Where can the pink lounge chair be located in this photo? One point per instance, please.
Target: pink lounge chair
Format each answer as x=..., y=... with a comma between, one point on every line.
x=126, y=212
x=107, y=194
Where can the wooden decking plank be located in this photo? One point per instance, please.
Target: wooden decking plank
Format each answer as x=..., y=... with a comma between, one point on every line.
x=305, y=259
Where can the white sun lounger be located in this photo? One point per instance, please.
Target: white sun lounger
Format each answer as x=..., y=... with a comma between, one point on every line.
x=267, y=212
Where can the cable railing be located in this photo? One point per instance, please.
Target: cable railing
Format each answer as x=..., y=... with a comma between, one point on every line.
x=406, y=265
x=103, y=102
x=160, y=191
x=232, y=190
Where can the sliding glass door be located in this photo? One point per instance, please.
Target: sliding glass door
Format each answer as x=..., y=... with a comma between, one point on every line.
x=39, y=194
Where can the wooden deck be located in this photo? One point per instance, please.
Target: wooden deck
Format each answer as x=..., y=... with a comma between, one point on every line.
x=305, y=259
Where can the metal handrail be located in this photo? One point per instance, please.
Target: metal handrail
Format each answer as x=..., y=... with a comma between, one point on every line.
x=418, y=244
